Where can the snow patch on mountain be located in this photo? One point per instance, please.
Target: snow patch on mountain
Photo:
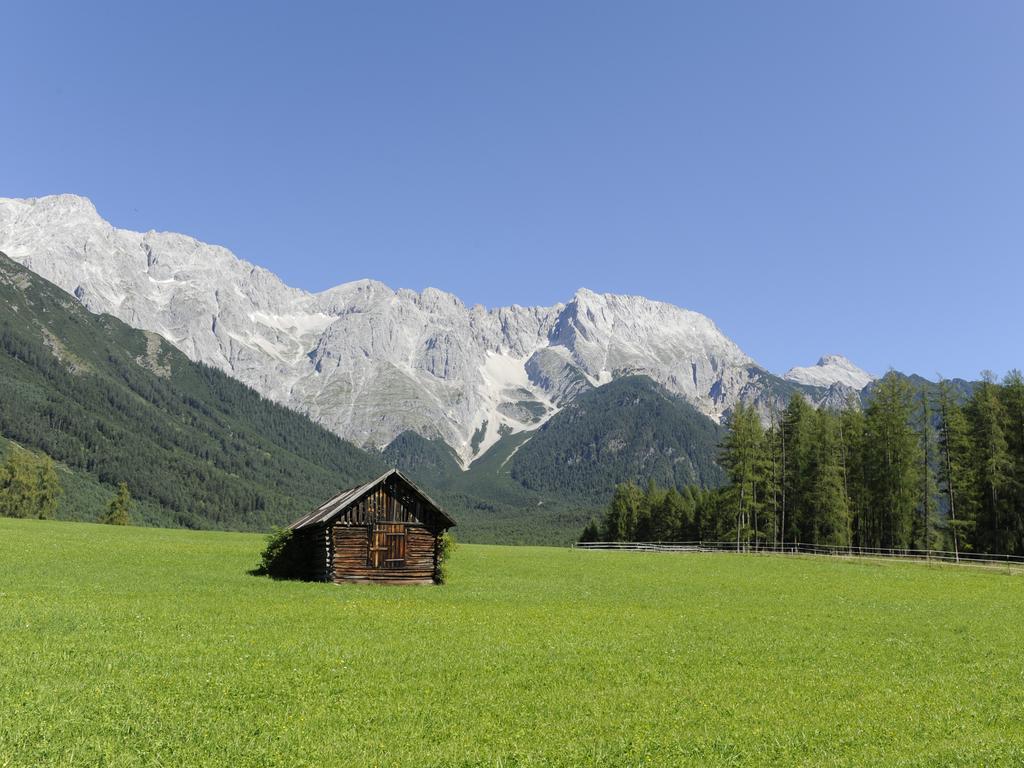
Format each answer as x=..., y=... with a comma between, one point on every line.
x=829, y=370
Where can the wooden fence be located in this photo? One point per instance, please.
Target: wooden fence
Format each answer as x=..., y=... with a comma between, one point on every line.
x=1008, y=563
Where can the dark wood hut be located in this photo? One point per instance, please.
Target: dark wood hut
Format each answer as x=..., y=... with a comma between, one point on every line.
x=387, y=531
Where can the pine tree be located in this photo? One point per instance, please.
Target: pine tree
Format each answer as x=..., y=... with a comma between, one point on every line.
x=827, y=518
x=623, y=513
x=592, y=531
x=954, y=467
x=118, y=511
x=773, y=490
x=742, y=459
x=798, y=444
x=1012, y=396
x=991, y=467
x=690, y=497
x=708, y=519
x=648, y=524
x=851, y=427
x=923, y=532
x=669, y=517
x=48, y=488
x=893, y=464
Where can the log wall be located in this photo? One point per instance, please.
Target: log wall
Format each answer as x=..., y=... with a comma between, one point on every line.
x=353, y=559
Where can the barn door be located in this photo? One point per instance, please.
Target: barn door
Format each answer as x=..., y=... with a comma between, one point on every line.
x=387, y=545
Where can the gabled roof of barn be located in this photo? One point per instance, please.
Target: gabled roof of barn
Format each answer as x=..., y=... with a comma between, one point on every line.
x=337, y=504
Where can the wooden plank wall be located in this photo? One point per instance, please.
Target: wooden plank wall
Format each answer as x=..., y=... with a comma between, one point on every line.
x=391, y=503
x=352, y=560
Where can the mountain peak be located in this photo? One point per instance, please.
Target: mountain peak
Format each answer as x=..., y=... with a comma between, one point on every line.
x=59, y=203
x=840, y=360
x=829, y=370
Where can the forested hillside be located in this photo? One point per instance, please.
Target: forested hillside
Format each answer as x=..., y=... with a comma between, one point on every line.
x=629, y=430
x=196, y=448
x=542, y=486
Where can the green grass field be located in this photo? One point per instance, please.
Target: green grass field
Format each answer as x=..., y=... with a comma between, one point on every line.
x=124, y=647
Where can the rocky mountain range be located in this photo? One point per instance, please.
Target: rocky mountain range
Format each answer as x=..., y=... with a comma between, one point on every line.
x=371, y=363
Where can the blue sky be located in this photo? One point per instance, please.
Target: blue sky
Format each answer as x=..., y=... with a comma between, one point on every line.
x=815, y=176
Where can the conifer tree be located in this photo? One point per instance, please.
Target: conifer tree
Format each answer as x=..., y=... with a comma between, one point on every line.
x=991, y=467
x=773, y=495
x=742, y=459
x=623, y=513
x=592, y=531
x=669, y=517
x=851, y=428
x=923, y=533
x=708, y=518
x=954, y=466
x=648, y=526
x=48, y=487
x=118, y=511
x=1012, y=396
x=798, y=443
x=892, y=462
x=827, y=514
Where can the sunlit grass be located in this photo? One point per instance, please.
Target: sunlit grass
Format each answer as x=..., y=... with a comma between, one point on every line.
x=124, y=647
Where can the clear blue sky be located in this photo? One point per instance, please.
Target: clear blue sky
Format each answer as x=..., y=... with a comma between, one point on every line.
x=815, y=176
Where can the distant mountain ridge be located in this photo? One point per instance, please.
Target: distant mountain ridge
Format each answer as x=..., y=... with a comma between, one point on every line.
x=371, y=363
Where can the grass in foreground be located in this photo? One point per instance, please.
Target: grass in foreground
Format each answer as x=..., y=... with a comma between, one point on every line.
x=123, y=647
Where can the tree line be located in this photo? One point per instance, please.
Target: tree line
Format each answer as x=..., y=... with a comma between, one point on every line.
x=658, y=514
x=31, y=488
x=920, y=467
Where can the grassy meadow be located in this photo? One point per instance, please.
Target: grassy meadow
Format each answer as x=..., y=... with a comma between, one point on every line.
x=149, y=647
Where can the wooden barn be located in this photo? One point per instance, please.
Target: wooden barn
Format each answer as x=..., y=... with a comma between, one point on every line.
x=387, y=531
